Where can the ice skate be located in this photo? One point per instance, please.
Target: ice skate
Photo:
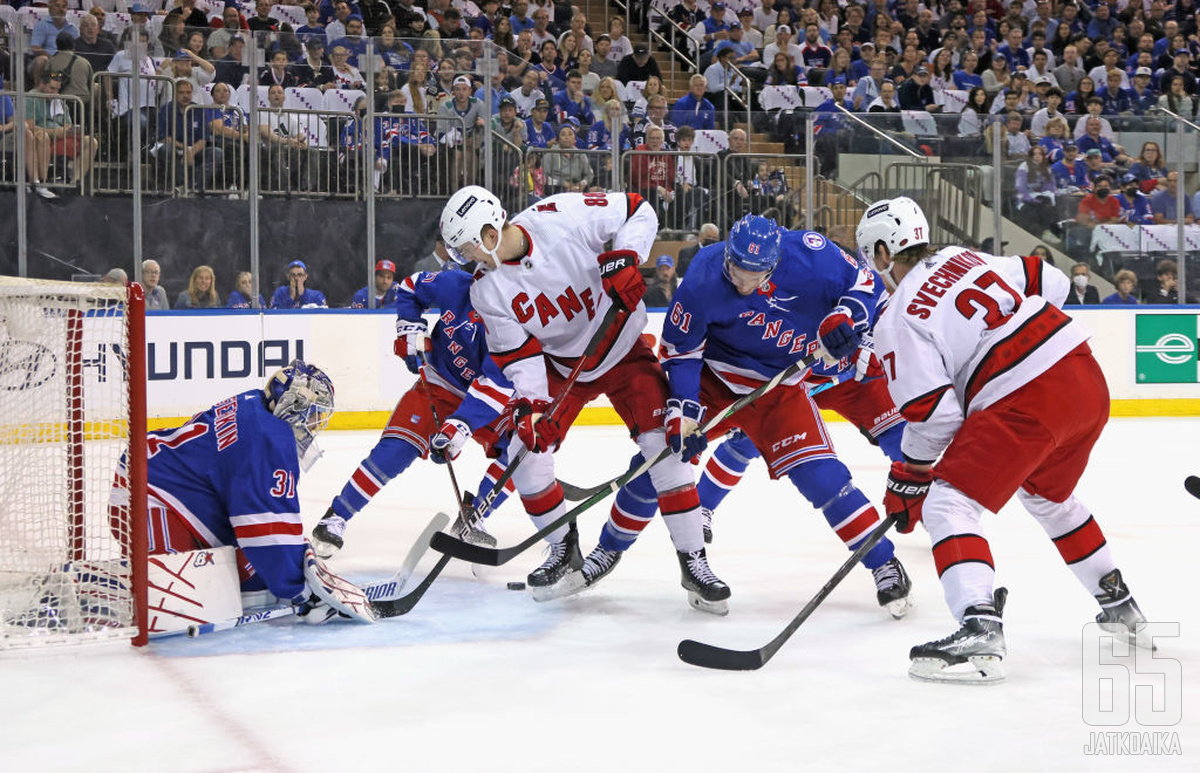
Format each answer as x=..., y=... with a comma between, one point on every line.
x=471, y=533
x=707, y=514
x=705, y=590
x=973, y=654
x=327, y=536
x=1119, y=613
x=563, y=557
x=596, y=566
x=892, y=586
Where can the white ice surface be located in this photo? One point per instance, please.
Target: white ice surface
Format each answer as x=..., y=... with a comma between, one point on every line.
x=480, y=678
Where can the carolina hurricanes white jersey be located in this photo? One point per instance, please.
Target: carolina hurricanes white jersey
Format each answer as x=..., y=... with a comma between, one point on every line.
x=551, y=300
x=963, y=330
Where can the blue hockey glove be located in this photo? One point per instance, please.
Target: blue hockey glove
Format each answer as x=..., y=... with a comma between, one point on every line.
x=683, y=425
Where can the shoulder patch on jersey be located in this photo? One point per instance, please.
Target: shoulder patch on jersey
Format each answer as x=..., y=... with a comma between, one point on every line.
x=813, y=241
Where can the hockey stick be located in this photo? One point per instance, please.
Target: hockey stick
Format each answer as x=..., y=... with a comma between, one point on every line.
x=482, y=506
x=1192, y=484
x=458, y=497
x=477, y=554
x=379, y=593
x=575, y=493
x=710, y=656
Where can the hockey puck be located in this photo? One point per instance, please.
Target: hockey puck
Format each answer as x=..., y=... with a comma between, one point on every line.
x=516, y=586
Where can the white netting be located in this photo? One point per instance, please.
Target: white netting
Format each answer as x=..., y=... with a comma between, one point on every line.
x=64, y=425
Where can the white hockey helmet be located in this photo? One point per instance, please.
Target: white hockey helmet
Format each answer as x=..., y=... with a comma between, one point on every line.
x=463, y=219
x=899, y=223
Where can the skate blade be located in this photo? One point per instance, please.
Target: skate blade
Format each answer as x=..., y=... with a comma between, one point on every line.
x=569, y=585
x=1135, y=638
x=482, y=572
x=978, y=670
x=720, y=608
x=898, y=608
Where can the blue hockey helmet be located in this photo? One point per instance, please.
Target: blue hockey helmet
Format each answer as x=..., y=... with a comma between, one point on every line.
x=753, y=243
x=302, y=395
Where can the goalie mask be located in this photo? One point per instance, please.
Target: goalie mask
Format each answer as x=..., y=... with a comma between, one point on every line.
x=302, y=395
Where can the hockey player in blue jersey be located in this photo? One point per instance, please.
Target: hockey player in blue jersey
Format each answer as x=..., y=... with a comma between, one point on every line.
x=228, y=478
x=747, y=310
x=461, y=383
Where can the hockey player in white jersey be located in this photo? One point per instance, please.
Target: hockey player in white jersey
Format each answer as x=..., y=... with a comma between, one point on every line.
x=1002, y=397
x=549, y=277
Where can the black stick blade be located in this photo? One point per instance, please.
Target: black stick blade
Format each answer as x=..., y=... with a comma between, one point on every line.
x=1192, y=484
x=707, y=656
x=404, y=604
x=455, y=548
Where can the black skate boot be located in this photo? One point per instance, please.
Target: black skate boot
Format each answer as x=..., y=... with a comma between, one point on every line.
x=327, y=535
x=973, y=654
x=1119, y=613
x=705, y=590
x=707, y=514
x=892, y=586
x=595, y=567
x=563, y=557
x=466, y=530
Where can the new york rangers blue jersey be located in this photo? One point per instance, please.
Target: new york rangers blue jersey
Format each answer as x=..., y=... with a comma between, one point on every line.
x=747, y=340
x=230, y=474
x=459, y=361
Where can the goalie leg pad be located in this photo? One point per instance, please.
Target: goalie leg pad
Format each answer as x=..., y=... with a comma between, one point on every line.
x=343, y=596
x=194, y=587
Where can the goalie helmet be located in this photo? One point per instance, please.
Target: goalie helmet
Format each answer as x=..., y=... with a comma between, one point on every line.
x=899, y=223
x=753, y=244
x=302, y=395
x=463, y=219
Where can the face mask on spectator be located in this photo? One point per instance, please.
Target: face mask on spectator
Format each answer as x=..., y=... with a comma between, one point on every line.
x=1080, y=281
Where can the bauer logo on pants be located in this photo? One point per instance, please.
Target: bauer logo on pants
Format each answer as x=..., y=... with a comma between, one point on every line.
x=1166, y=347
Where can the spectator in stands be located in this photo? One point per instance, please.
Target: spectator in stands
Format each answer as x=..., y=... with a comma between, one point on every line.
x=1102, y=23
x=1094, y=165
x=693, y=173
x=1043, y=252
x=185, y=65
x=386, y=287
x=540, y=31
x=313, y=27
x=1126, y=284
x=156, y=296
x=520, y=18
x=1095, y=108
x=228, y=130
x=714, y=30
x=201, y=292
x=1099, y=207
x=600, y=134
x=708, y=234
x=539, y=132
x=814, y=53
x=37, y=147
x=230, y=27
x=278, y=72
x=77, y=74
x=886, y=102
x=607, y=90
x=578, y=31
x=997, y=77
x=261, y=22
x=568, y=53
x=313, y=71
x=1110, y=152
x=1070, y=72
x=1053, y=139
x=1148, y=167
x=285, y=143
x=1077, y=100
x=782, y=44
x=1181, y=68
x=1016, y=141
x=589, y=79
x=294, y=295
x=229, y=68
x=49, y=114
x=1177, y=99
x=653, y=175
x=868, y=88
x=418, y=90
x=693, y=109
x=1082, y=292
x=656, y=115
x=1135, y=205
x=1050, y=111
x=915, y=93
x=661, y=288
x=974, y=113
x=183, y=148
x=619, y=45
x=722, y=79
x=44, y=39
x=528, y=94
x=571, y=102
x=1167, y=274
x=1116, y=98
x=552, y=75
x=1035, y=188
x=567, y=171
x=651, y=88
x=687, y=16
x=602, y=63
x=471, y=118
x=345, y=75
x=96, y=49
x=1164, y=203
x=638, y=66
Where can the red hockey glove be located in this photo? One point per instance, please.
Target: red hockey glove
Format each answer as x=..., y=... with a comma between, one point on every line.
x=537, y=431
x=905, y=497
x=447, y=443
x=621, y=278
x=683, y=435
x=839, y=332
x=411, y=339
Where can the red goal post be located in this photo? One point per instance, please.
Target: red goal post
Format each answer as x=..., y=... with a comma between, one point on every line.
x=72, y=463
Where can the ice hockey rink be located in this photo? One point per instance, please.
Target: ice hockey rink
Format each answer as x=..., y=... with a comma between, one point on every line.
x=481, y=678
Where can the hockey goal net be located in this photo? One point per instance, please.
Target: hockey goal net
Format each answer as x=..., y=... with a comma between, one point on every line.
x=72, y=406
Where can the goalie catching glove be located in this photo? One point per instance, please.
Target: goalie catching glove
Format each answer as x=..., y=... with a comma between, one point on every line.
x=905, y=497
x=412, y=342
x=537, y=431
x=331, y=595
x=683, y=425
x=621, y=278
x=447, y=443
